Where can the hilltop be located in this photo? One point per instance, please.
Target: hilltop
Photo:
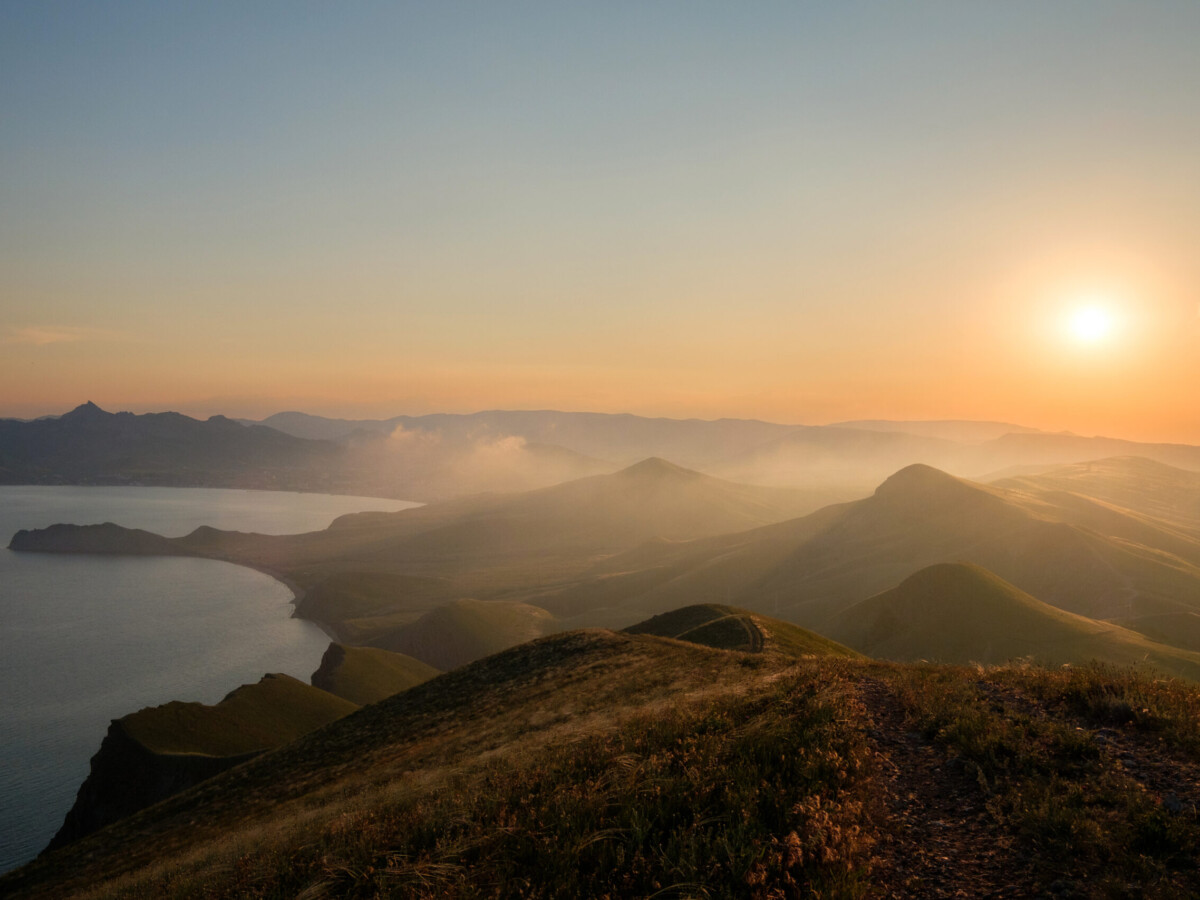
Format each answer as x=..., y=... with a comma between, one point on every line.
x=593, y=763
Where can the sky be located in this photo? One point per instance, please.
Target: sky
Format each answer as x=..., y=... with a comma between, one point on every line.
x=802, y=212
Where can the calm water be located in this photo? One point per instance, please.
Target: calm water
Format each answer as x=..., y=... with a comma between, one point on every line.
x=87, y=639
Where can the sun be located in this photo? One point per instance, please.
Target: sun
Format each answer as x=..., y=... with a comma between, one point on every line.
x=1091, y=324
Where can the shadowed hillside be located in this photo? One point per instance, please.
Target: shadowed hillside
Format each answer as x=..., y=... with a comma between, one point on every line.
x=161, y=750
x=365, y=675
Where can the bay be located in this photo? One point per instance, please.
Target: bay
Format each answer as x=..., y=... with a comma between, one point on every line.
x=87, y=639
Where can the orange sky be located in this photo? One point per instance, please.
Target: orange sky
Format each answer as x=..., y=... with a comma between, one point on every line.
x=807, y=215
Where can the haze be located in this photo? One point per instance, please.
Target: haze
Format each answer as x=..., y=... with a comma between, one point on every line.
x=804, y=213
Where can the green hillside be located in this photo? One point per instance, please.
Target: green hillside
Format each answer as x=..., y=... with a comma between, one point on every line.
x=957, y=613
x=365, y=675
x=593, y=764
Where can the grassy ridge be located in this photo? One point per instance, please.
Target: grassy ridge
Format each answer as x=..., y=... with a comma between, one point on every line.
x=729, y=628
x=601, y=764
x=274, y=711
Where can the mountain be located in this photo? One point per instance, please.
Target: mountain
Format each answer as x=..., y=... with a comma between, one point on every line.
x=962, y=431
x=595, y=763
x=91, y=446
x=1078, y=557
x=961, y=613
x=620, y=438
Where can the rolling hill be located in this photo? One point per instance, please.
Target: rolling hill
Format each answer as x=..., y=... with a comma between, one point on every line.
x=811, y=569
x=961, y=613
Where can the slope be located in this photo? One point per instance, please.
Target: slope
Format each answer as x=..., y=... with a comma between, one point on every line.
x=161, y=750
x=959, y=613
x=594, y=764
x=1169, y=495
x=810, y=569
x=365, y=675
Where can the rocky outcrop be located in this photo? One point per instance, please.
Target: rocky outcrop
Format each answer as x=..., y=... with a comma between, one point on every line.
x=126, y=777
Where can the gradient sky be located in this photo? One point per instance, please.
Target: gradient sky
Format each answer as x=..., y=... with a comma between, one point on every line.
x=794, y=211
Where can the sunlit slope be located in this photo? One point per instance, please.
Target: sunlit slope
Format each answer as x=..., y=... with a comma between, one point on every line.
x=462, y=631
x=365, y=675
x=809, y=570
x=420, y=747
x=1169, y=495
x=959, y=613
x=729, y=628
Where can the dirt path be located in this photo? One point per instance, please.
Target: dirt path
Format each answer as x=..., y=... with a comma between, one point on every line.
x=940, y=841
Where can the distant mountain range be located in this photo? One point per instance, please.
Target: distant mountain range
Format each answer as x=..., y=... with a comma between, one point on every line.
x=440, y=456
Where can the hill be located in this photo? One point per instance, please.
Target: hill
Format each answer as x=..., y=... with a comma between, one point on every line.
x=369, y=574
x=1099, y=562
x=728, y=628
x=594, y=763
x=161, y=750
x=960, y=613
x=365, y=675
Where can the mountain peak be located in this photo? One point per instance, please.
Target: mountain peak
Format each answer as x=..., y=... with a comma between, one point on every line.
x=655, y=468
x=923, y=480
x=87, y=410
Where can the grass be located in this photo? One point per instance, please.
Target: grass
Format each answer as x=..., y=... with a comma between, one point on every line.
x=600, y=764
x=1079, y=816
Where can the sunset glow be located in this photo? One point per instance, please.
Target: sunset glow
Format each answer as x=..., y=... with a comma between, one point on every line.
x=804, y=214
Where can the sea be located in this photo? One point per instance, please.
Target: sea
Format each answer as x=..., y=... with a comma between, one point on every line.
x=86, y=639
